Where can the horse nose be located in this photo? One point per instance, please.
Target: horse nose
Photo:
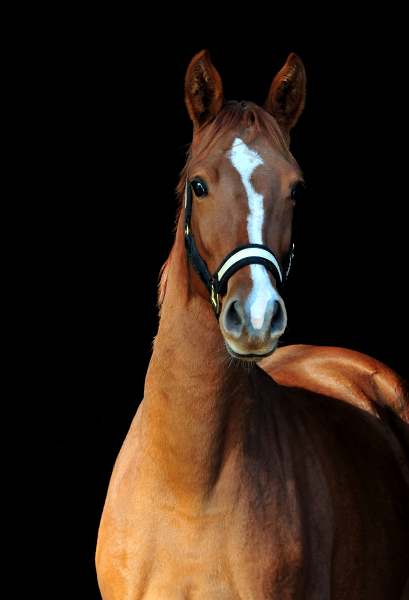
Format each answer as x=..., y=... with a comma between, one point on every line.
x=233, y=318
x=238, y=319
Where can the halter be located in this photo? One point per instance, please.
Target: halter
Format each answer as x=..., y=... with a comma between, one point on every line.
x=246, y=254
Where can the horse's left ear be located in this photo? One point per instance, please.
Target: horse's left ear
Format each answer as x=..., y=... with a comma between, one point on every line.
x=286, y=97
x=203, y=90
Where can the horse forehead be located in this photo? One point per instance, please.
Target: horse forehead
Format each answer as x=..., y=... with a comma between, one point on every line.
x=257, y=161
x=244, y=158
x=256, y=158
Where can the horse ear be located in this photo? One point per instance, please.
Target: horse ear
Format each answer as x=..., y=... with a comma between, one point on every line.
x=203, y=90
x=286, y=97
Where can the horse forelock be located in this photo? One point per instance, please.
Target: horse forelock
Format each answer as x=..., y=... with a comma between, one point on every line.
x=252, y=118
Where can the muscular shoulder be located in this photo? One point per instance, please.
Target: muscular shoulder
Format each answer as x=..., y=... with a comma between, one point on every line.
x=340, y=373
x=353, y=378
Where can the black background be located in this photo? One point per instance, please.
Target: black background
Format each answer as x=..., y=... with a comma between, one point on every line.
x=116, y=129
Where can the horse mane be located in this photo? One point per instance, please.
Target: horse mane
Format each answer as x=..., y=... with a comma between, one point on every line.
x=251, y=117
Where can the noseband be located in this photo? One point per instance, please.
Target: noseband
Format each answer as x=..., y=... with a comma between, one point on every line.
x=246, y=254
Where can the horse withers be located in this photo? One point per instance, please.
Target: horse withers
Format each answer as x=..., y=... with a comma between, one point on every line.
x=251, y=472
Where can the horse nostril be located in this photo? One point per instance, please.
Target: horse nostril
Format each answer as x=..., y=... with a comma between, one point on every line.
x=278, y=317
x=233, y=321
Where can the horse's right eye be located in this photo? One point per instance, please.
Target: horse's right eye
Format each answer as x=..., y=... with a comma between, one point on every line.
x=198, y=188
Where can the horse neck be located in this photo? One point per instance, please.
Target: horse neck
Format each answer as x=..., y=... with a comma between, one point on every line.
x=195, y=403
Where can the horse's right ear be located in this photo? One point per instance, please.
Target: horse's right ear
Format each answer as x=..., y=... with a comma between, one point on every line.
x=203, y=90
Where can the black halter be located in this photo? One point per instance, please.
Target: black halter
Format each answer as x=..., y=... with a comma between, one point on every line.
x=237, y=259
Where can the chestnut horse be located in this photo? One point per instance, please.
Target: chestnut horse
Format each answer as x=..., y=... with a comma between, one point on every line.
x=247, y=474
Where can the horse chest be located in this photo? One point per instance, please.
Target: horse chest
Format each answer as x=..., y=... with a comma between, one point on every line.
x=243, y=550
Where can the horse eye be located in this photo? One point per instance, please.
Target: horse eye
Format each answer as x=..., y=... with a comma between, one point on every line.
x=198, y=188
x=298, y=192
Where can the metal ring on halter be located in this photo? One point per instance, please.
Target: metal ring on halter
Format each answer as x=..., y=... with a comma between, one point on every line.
x=215, y=298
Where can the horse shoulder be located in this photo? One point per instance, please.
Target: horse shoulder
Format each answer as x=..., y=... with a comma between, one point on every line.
x=340, y=373
x=349, y=376
x=119, y=520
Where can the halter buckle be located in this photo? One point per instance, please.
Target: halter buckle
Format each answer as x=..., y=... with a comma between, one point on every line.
x=215, y=300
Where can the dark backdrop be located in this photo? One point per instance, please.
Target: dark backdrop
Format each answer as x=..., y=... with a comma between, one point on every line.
x=119, y=133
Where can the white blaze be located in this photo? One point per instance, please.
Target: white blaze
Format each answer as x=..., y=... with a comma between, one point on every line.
x=245, y=161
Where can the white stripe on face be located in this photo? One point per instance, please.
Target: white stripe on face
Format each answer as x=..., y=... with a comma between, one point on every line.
x=245, y=161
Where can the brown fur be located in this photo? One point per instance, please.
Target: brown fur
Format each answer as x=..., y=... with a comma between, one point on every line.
x=285, y=482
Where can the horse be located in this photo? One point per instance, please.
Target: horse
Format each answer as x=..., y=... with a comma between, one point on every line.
x=251, y=471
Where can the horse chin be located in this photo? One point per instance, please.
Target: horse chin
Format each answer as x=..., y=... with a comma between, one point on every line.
x=252, y=357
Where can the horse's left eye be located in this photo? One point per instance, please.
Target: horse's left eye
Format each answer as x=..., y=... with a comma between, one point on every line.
x=198, y=188
x=298, y=192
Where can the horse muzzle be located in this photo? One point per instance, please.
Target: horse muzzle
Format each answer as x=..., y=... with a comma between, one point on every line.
x=251, y=326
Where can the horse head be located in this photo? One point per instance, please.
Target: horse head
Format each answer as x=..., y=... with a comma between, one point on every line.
x=241, y=186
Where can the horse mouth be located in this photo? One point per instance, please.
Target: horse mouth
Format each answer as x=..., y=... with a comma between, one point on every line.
x=251, y=356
